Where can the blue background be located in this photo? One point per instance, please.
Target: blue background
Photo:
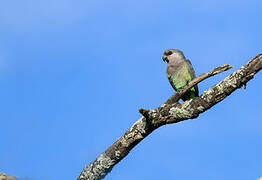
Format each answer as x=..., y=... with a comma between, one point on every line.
x=74, y=73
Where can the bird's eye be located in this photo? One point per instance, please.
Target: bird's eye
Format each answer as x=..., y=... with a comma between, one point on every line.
x=169, y=53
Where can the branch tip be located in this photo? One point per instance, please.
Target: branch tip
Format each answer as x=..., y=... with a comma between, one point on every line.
x=144, y=112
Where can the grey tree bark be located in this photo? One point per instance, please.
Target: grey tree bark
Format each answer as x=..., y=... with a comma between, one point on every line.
x=4, y=176
x=171, y=112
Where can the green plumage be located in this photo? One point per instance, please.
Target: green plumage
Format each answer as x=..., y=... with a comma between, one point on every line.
x=180, y=72
x=180, y=79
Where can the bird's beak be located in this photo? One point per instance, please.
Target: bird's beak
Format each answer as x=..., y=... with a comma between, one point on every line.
x=164, y=58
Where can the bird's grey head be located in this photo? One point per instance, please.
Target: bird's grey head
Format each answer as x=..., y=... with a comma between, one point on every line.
x=172, y=55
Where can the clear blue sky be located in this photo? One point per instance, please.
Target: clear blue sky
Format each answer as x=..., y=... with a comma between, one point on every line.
x=74, y=73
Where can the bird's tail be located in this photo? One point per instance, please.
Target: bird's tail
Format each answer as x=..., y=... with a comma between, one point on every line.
x=192, y=93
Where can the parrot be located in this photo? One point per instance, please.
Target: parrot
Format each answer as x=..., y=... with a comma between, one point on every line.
x=180, y=72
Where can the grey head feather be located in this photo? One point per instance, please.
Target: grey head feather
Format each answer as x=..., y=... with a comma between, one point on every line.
x=173, y=56
x=175, y=60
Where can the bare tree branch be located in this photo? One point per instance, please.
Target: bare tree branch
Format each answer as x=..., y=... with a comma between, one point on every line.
x=171, y=112
x=4, y=176
x=177, y=96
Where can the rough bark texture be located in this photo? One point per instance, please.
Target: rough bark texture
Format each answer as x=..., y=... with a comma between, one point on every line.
x=171, y=112
x=4, y=176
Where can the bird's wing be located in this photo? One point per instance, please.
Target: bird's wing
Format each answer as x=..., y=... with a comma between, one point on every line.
x=192, y=73
x=191, y=69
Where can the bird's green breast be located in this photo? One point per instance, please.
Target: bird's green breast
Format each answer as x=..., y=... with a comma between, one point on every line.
x=180, y=78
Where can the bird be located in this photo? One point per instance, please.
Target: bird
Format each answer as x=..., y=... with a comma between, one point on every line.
x=180, y=72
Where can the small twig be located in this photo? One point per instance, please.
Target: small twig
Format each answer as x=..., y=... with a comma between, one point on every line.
x=180, y=93
x=177, y=96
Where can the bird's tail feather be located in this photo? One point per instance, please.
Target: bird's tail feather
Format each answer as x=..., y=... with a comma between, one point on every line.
x=190, y=94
